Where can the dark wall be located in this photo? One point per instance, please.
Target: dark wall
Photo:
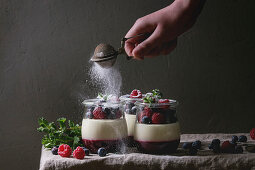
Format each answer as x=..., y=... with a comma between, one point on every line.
x=45, y=47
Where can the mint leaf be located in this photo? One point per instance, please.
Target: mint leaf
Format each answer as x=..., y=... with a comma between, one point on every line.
x=62, y=134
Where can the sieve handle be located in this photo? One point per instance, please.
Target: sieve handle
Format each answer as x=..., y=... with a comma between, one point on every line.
x=122, y=48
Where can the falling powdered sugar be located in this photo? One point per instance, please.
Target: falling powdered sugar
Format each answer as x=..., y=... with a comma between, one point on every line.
x=109, y=80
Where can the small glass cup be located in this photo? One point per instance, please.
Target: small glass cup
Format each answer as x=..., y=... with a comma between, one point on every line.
x=157, y=129
x=129, y=109
x=103, y=125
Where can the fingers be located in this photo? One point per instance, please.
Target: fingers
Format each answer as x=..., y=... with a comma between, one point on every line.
x=144, y=47
x=164, y=49
x=140, y=26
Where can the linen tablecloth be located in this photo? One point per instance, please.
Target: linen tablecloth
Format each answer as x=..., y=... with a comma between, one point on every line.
x=133, y=160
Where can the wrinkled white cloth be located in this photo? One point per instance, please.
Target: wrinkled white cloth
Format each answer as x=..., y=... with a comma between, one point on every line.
x=133, y=160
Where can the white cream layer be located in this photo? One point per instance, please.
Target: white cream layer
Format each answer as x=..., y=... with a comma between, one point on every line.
x=95, y=129
x=157, y=132
x=130, y=123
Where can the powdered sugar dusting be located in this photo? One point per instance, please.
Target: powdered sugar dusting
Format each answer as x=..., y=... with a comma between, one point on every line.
x=108, y=80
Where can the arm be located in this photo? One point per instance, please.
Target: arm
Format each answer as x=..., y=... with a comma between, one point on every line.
x=164, y=25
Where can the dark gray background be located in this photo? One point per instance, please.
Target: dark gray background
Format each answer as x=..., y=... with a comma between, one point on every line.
x=45, y=47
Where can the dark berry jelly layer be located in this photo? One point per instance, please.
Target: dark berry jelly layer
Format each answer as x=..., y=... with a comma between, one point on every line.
x=109, y=145
x=165, y=147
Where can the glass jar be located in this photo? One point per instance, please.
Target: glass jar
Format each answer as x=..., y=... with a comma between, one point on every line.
x=103, y=125
x=130, y=115
x=157, y=129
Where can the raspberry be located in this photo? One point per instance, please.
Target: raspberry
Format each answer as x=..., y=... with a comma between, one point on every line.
x=146, y=112
x=98, y=113
x=64, y=150
x=252, y=133
x=136, y=94
x=78, y=153
x=164, y=101
x=227, y=147
x=158, y=118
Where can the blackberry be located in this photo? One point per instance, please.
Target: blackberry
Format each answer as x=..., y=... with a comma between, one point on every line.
x=146, y=120
x=242, y=138
x=186, y=145
x=54, y=150
x=196, y=144
x=101, y=152
x=234, y=139
x=215, y=142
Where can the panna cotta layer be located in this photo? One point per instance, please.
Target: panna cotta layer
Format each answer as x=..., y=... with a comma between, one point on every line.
x=157, y=132
x=101, y=129
x=130, y=119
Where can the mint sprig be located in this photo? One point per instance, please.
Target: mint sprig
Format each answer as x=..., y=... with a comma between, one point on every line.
x=61, y=134
x=153, y=96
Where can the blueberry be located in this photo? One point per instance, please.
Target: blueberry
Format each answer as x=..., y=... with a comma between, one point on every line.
x=133, y=110
x=146, y=120
x=238, y=149
x=234, y=139
x=186, y=145
x=89, y=115
x=91, y=109
x=242, y=138
x=54, y=150
x=196, y=144
x=101, y=152
x=192, y=151
x=215, y=142
x=107, y=110
x=216, y=148
x=86, y=151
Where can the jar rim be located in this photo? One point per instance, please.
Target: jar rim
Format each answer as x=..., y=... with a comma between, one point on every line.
x=172, y=103
x=96, y=101
x=127, y=97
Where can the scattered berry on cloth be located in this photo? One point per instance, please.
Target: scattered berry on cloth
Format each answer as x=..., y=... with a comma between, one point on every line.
x=101, y=152
x=79, y=153
x=64, y=150
x=252, y=133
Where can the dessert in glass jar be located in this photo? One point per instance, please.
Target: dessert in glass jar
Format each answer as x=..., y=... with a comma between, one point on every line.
x=130, y=113
x=103, y=125
x=157, y=129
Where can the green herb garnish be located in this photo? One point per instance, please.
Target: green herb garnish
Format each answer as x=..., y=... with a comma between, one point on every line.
x=61, y=134
x=152, y=97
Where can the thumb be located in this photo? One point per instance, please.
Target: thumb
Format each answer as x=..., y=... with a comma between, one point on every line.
x=150, y=43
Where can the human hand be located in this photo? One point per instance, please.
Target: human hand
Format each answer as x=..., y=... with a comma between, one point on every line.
x=164, y=26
